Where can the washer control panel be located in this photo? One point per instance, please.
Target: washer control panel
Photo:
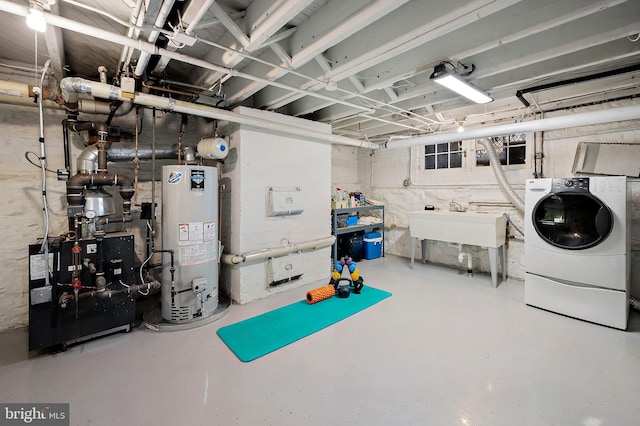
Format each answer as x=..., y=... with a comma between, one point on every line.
x=570, y=185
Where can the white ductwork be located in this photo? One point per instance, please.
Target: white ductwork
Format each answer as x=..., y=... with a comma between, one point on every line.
x=87, y=160
x=72, y=86
x=253, y=256
x=608, y=115
x=494, y=161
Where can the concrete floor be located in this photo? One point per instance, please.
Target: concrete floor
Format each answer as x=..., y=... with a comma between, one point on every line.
x=445, y=349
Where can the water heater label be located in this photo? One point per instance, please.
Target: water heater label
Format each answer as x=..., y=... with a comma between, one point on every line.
x=189, y=233
x=174, y=177
x=209, y=233
x=194, y=254
x=197, y=180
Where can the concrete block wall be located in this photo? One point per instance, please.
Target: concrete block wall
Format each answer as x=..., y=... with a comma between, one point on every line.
x=258, y=161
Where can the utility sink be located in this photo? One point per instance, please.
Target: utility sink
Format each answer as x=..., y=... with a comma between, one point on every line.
x=474, y=228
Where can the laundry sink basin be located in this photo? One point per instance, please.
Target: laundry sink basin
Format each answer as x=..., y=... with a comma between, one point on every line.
x=475, y=228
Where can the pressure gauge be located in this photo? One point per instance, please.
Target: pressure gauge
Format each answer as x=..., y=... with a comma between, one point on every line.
x=90, y=214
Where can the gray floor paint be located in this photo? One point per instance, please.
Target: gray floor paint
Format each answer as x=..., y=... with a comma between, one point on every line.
x=445, y=349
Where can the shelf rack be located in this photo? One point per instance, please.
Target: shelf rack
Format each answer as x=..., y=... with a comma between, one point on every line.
x=355, y=228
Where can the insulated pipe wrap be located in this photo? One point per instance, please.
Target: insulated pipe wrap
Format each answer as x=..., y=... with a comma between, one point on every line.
x=321, y=293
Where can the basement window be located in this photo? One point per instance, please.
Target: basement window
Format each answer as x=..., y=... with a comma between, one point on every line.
x=443, y=156
x=511, y=149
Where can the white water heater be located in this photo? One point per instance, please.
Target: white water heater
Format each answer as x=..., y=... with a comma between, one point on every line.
x=190, y=230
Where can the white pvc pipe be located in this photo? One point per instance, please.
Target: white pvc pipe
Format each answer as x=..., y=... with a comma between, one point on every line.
x=143, y=59
x=134, y=20
x=252, y=256
x=580, y=119
x=461, y=255
x=71, y=86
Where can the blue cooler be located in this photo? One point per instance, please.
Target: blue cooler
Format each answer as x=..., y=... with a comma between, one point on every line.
x=372, y=245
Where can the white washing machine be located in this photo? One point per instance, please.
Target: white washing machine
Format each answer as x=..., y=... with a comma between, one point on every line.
x=577, y=248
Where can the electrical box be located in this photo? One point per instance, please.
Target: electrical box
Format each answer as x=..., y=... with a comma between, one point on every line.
x=285, y=201
x=284, y=269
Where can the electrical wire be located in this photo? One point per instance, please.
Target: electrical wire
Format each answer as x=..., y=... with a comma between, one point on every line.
x=43, y=163
x=26, y=155
x=142, y=269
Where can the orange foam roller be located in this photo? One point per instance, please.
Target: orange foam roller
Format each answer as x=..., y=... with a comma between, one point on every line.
x=321, y=293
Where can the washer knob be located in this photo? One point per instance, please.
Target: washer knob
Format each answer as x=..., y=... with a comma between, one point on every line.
x=568, y=183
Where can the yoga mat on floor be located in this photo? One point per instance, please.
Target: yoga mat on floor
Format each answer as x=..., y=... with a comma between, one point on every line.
x=263, y=334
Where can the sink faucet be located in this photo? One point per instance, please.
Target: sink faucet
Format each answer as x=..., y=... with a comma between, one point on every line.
x=456, y=207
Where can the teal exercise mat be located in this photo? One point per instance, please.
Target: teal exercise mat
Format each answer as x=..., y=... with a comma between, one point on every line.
x=265, y=333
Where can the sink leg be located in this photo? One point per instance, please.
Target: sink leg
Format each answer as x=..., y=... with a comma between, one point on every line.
x=504, y=270
x=414, y=240
x=424, y=250
x=493, y=262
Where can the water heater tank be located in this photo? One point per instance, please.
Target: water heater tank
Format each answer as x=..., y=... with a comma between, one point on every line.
x=190, y=229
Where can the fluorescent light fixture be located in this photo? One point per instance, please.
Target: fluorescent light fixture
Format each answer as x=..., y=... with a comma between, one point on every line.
x=35, y=18
x=452, y=81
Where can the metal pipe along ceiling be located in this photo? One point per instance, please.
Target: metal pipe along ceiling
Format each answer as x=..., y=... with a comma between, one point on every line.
x=608, y=115
x=71, y=86
x=144, y=46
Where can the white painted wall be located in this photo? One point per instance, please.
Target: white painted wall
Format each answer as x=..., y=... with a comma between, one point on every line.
x=382, y=173
x=260, y=160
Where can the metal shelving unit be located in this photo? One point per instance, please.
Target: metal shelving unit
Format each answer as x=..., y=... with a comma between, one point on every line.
x=355, y=228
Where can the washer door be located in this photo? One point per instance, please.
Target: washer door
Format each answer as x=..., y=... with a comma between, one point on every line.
x=572, y=221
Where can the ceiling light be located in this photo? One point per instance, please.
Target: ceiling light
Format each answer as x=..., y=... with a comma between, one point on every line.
x=451, y=80
x=35, y=18
x=460, y=126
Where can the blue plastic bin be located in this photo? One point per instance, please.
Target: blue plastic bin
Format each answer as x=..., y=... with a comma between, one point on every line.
x=372, y=242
